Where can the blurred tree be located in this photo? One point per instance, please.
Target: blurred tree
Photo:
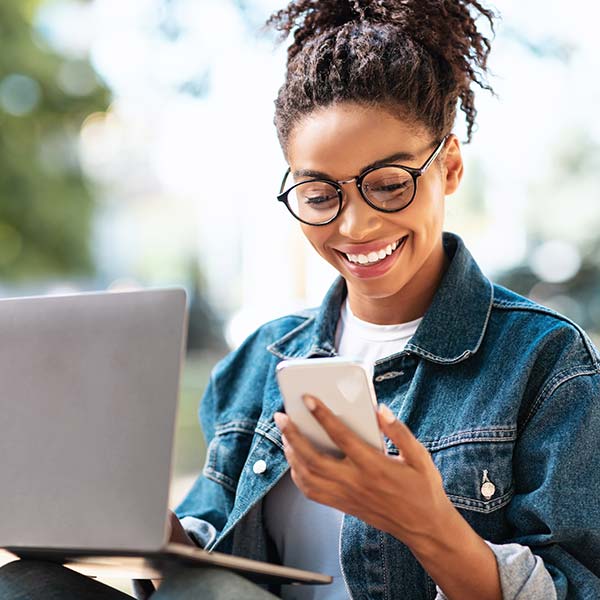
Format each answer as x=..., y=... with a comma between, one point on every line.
x=564, y=204
x=45, y=208
x=578, y=298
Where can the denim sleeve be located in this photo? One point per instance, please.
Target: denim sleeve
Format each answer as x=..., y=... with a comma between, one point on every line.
x=555, y=510
x=201, y=532
x=523, y=575
x=555, y=513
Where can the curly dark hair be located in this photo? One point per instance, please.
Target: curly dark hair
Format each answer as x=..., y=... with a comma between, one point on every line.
x=416, y=58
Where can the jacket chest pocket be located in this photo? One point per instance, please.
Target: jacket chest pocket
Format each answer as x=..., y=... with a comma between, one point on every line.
x=227, y=451
x=476, y=468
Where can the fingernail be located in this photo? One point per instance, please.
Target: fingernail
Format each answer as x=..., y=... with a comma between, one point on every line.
x=387, y=414
x=309, y=402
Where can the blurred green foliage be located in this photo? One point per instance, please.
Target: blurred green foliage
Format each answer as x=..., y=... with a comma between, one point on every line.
x=45, y=209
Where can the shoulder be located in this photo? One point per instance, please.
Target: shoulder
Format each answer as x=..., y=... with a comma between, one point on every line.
x=256, y=350
x=539, y=330
x=240, y=382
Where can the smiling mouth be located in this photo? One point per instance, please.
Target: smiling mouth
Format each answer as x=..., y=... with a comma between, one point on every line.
x=374, y=258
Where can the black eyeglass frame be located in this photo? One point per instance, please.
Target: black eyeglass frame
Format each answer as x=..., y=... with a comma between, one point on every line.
x=415, y=173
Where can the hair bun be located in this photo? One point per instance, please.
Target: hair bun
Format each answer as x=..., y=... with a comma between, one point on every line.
x=439, y=38
x=307, y=18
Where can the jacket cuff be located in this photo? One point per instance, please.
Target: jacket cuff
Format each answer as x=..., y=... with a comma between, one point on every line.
x=201, y=532
x=523, y=575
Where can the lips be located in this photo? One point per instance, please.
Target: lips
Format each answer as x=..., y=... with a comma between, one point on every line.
x=368, y=247
x=377, y=267
x=374, y=256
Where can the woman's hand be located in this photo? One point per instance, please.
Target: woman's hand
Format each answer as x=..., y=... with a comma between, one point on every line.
x=402, y=495
x=178, y=534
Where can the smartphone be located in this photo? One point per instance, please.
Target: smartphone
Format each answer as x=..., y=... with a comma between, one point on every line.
x=343, y=385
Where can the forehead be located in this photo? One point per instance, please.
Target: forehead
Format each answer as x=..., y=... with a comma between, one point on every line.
x=341, y=139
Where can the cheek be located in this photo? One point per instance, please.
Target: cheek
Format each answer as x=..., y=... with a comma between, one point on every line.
x=427, y=211
x=317, y=237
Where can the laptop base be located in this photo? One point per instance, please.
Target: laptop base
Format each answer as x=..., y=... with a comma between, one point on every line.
x=153, y=565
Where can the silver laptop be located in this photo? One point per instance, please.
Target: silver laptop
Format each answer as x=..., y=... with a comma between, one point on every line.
x=87, y=418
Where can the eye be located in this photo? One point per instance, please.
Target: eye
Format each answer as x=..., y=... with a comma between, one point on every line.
x=390, y=186
x=317, y=199
x=316, y=194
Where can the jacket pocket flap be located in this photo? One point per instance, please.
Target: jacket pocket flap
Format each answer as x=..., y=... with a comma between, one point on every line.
x=227, y=451
x=477, y=471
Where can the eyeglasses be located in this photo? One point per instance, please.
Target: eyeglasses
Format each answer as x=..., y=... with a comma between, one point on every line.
x=388, y=188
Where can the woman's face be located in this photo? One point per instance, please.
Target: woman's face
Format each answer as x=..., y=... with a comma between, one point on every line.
x=340, y=141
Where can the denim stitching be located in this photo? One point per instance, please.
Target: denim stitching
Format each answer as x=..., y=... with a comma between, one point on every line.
x=553, y=384
x=269, y=430
x=210, y=471
x=388, y=375
x=466, y=353
x=479, y=505
x=537, y=308
x=220, y=478
x=234, y=518
x=438, y=359
x=272, y=347
x=498, y=434
x=383, y=565
x=264, y=425
x=237, y=426
x=268, y=436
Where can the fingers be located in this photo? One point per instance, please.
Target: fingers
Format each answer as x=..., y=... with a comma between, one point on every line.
x=411, y=450
x=352, y=445
x=178, y=533
x=299, y=451
x=315, y=474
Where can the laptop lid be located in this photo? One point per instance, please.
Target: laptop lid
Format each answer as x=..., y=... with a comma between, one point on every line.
x=87, y=415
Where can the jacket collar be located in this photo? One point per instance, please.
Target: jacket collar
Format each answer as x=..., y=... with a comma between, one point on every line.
x=452, y=328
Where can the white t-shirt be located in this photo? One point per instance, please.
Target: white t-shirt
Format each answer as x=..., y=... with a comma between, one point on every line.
x=369, y=342
x=306, y=533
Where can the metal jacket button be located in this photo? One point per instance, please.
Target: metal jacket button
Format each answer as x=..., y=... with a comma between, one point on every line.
x=259, y=467
x=488, y=489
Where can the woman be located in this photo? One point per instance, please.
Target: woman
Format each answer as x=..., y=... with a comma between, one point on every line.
x=489, y=402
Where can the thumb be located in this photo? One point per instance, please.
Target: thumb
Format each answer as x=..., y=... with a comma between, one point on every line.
x=411, y=450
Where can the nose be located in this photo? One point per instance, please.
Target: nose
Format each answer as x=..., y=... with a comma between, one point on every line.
x=358, y=221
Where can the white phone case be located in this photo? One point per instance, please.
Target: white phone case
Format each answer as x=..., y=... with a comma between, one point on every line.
x=344, y=385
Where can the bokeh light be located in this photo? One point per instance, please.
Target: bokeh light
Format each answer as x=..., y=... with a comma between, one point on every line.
x=19, y=94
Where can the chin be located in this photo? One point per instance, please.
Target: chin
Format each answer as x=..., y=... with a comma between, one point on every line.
x=385, y=288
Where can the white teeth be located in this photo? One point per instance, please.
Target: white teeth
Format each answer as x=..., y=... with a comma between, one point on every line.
x=374, y=256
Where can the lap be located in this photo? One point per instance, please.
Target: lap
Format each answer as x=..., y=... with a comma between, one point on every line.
x=208, y=583
x=37, y=580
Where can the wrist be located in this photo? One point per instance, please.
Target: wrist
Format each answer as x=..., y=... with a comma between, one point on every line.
x=440, y=535
x=457, y=558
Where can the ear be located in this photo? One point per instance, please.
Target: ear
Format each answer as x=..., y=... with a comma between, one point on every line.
x=453, y=165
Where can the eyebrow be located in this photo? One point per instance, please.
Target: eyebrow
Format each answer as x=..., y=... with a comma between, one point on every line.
x=399, y=156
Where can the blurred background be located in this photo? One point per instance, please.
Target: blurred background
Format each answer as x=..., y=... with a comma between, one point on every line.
x=137, y=149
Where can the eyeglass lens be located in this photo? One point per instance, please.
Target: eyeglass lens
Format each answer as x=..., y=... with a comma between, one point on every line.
x=388, y=188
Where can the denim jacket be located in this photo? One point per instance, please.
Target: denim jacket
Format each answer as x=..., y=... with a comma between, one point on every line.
x=504, y=393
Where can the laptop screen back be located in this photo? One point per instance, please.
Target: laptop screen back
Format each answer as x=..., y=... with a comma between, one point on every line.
x=87, y=414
